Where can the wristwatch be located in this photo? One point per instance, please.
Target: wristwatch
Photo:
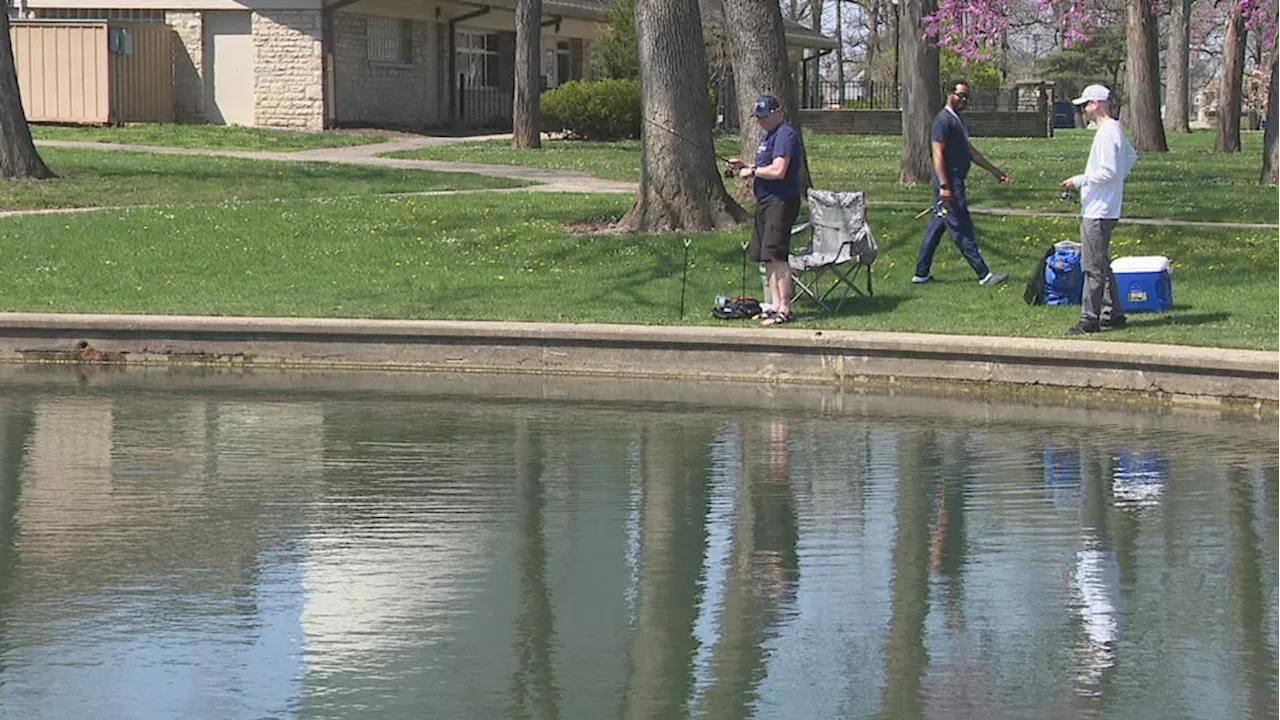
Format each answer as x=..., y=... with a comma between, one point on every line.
x=753, y=171
x=943, y=186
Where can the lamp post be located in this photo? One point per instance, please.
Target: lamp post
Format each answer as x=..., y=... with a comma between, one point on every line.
x=839, y=56
x=897, y=22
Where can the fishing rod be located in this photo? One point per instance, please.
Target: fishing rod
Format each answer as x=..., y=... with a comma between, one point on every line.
x=678, y=136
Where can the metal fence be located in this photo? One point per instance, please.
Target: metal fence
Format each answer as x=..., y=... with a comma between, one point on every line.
x=853, y=95
x=483, y=106
x=872, y=95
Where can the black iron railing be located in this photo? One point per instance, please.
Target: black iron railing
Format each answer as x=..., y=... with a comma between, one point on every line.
x=483, y=106
x=872, y=95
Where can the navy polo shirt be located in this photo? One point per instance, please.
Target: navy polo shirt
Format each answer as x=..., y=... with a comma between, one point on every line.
x=784, y=141
x=950, y=130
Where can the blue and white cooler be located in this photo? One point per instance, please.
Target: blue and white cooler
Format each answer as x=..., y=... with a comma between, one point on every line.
x=1145, y=283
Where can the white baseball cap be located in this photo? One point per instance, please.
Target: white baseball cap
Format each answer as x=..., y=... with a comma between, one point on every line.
x=1097, y=93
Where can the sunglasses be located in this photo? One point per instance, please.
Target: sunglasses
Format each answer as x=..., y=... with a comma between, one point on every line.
x=962, y=95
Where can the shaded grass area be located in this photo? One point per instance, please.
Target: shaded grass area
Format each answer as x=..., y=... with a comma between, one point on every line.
x=506, y=259
x=89, y=178
x=608, y=160
x=216, y=137
x=1190, y=182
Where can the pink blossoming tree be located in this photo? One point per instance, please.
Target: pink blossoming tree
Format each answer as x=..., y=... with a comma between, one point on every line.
x=975, y=28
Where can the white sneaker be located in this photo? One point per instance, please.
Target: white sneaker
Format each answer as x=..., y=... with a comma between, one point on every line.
x=994, y=278
x=921, y=280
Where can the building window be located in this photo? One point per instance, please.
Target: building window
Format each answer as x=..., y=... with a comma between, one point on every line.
x=478, y=58
x=564, y=68
x=390, y=40
x=154, y=17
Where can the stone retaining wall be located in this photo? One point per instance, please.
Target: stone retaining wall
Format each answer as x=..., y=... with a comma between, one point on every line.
x=1180, y=375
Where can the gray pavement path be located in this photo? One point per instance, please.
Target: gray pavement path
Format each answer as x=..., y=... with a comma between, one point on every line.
x=547, y=180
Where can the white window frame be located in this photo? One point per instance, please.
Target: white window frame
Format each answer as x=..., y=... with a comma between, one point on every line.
x=389, y=40
x=477, y=54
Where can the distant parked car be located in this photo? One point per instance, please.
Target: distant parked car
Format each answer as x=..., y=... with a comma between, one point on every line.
x=1064, y=114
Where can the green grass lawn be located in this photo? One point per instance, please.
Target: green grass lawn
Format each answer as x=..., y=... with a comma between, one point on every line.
x=504, y=257
x=88, y=178
x=1190, y=182
x=218, y=137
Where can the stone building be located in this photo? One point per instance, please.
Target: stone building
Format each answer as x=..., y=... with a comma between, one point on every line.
x=313, y=64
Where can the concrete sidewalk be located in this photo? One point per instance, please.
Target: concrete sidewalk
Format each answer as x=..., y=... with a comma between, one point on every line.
x=1108, y=370
x=546, y=180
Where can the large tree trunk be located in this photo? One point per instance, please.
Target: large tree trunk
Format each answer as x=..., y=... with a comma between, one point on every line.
x=680, y=185
x=921, y=92
x=758, y=51
x=18, y=156
x=526, y=112
x=1270, y=148
x=1145, y=126
x=1231, y=88
x=1176, y=93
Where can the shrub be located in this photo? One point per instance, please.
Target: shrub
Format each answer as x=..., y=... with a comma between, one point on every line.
x=593, y=110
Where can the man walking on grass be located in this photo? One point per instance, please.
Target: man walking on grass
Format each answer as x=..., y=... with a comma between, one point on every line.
x=952, y=156
x=1101, y=195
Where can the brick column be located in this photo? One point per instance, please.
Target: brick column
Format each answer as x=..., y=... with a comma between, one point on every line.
x=289, y=82
x=188, y=65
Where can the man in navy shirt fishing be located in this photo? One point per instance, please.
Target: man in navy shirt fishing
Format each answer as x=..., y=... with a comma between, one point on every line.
x=952, y=156
x=776, y=170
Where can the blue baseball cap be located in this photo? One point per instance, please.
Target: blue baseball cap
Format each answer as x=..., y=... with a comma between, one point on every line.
x=765, y=105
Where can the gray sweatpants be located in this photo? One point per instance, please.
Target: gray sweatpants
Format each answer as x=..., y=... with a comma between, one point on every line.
x=1101, y=299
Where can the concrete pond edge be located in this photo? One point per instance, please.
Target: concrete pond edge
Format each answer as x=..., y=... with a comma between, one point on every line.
x=1174, y=374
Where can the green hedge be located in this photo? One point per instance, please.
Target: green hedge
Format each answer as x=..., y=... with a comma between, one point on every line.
x=593, y=110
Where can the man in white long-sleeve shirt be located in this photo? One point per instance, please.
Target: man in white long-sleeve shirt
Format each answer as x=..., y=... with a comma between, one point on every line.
x=1101, y=195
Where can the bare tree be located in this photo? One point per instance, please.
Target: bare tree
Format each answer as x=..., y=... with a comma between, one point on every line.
x=1144, y=79
x=758, y=51
x=526, y=113
x=18, y=156
x=921, y=91
x=1177, y=101
x=680, y=186
x=1231, y=88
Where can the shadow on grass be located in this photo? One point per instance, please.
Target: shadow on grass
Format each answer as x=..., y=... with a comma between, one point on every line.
x=1140, y=320
x=852, y=308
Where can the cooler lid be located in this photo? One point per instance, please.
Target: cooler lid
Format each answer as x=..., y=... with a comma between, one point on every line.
x=1140, y=264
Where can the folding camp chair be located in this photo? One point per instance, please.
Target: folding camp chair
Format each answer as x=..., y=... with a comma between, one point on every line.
x=841, y=246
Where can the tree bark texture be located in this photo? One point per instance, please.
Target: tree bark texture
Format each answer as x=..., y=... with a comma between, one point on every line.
x=1271, y=149
x=1231, y=87
x=758, y=52
x=921, y=91
x=526, y=114
x=680, y=183
x=1177, y=102
x=1145, y=125
x=18, y=156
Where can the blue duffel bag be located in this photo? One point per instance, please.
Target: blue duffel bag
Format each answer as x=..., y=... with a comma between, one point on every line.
x=1063, y=276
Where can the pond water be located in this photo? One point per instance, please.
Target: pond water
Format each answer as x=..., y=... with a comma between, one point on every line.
x=185, y=545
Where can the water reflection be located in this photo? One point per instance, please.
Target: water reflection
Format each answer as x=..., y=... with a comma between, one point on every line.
x=212, y=552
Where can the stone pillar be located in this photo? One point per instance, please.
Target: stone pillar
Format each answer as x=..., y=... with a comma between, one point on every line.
x=188, y=66
x=288, y=78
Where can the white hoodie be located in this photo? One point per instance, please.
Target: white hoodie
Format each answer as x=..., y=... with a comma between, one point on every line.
x=1102, y=184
